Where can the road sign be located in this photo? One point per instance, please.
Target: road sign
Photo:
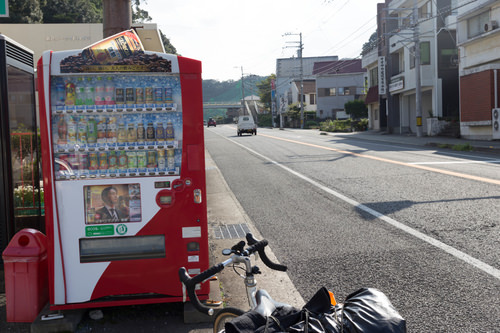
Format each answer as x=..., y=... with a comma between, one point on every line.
x=4, y=8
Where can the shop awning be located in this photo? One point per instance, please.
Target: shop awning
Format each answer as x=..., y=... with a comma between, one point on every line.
x=372, y=96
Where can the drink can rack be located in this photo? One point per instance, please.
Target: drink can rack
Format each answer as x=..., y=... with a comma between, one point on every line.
x=115, y=125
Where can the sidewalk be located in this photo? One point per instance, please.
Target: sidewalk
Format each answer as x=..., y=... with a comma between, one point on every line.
x=429, y=141
x=227, y=225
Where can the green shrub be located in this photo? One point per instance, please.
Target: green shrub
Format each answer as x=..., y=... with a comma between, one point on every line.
x=311, y=124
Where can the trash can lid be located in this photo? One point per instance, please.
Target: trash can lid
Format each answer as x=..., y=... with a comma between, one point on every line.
x=25, y=244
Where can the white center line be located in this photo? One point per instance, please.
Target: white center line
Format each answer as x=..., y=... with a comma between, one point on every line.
x=432, y=241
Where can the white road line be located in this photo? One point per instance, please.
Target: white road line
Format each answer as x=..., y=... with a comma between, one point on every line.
x=440, y=245
x=456, y=162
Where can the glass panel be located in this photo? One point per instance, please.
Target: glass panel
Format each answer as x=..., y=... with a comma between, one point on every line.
x=23, y=136
x=116, y=125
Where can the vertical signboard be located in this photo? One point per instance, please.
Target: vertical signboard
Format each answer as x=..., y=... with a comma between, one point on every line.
x=4, y=8
x=382, y=85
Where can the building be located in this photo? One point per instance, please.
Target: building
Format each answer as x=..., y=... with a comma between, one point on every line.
x=370, y=61
x=400, y=26
x=478, y=37
x=288, y=72
x=309, y=92
x=338, y=82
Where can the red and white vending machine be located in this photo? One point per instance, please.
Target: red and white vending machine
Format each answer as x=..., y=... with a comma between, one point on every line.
x=124, y=173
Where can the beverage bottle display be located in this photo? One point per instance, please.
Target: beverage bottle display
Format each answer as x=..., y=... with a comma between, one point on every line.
x=139, y=95
x=171, y=159
x=142, y=160
x=150, y=132
x=160, y=132
x=161, y=159
x=101, y=129
x=103, y=160
x=141, y=133
x=80, y=91
x=112, y=160
x=72, y=130
x=122, y=160
x=131, y=133
x=130, y=95
x=89, y=92
x=92, y=130
x=168, y=93
x=170, y=135
x=149, y=93
x=59, y=93
x=82, y=130
x=119, y=94
x=158, y=93
x=99, y=92
x=109, y=91
x=111, y=130
x=70, y=94
x=152, y=159
x=62, y=131
x=122, y=133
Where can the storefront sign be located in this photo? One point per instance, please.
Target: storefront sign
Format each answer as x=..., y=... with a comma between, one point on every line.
x=381, y=76
x=398, y=85
x=4, y=8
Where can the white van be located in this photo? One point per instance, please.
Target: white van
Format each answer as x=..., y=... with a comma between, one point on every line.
x=246, y=125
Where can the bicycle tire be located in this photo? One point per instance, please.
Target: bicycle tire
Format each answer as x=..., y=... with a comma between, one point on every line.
x=225, y=315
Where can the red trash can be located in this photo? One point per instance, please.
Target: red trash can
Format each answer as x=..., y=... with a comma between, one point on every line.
x=26, y=275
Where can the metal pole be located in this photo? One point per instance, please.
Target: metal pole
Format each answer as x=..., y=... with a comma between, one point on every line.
x=243, y=92
x=301, y=47
x=418, y=88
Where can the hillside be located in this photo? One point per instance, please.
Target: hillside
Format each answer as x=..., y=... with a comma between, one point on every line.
x=230, y=91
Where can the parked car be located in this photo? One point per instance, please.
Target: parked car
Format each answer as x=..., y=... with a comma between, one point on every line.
x=246, y=125
x=211, y=122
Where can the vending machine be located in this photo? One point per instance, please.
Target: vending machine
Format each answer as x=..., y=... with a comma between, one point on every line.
x=124, y=173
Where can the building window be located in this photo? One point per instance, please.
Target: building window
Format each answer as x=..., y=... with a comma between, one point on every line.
x=325, y=92
x=475, y=25
x=332, y=92
x=341, y=91
x=374, y=77
x=425, y=54
x=347, y=91
x=312, y=99
x=425, y=11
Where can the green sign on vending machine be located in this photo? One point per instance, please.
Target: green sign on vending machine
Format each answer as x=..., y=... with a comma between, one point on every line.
x=4, y=8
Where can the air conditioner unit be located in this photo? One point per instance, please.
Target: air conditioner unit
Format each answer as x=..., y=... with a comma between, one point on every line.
x=495, y=123
x=491, y=25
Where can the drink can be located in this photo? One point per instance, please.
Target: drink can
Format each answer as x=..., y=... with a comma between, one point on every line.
x=112, y=160
x=150, y=132
x=170, y=135
x=158, y=95
x=130, y=95
x=92, y=130
x=152, y=159
x=131, y=134
x=149, y=95
x=103, y=160
x=114, y=48
x=70, y=94
x=122, y=160
x=139, y=95
x=161, y=159
x=101, y=130
x=93, y=161
x=120, y=95
x=141, y=159
x=141, y=133
x=132, y=159
x=170, y=159
x=83, y=166
x=160, y=132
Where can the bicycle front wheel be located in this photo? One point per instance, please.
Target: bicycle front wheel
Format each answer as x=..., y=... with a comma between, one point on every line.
x=225, y=315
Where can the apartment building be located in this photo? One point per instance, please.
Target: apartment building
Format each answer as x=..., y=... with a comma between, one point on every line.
x=402, y=23
x=478, y=38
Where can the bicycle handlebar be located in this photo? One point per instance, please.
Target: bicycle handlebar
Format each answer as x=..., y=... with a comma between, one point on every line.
x=191, y=282
x=265, y=259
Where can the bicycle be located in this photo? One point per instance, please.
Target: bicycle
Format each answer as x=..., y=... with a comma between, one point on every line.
x=365, y=310
x=258, y=300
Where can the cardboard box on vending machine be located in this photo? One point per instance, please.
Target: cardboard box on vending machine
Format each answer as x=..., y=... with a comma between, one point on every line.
x=123, y=159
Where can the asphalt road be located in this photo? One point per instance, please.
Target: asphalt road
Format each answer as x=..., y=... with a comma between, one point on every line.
x=420, y=224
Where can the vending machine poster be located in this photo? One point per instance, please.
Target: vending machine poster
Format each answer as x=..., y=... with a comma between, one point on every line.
x=118, y=203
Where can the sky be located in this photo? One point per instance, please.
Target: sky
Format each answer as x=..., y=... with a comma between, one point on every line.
x=231, y=37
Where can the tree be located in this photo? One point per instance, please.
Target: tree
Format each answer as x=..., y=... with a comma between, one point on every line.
x=68, y=11
x=370, y=44
x=264, y=91
x=139, y=14
x=24, y=11
x=169, y=48
x=356, y=109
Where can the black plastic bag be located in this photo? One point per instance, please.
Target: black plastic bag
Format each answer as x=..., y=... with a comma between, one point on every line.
x=368, y=310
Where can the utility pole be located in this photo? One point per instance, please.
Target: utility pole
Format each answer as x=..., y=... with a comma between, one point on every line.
x=117, y=16
x=418, y=88
x=301, y=75
x=242, y=91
